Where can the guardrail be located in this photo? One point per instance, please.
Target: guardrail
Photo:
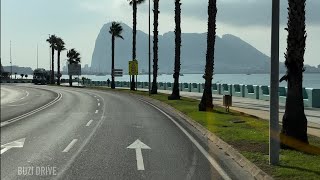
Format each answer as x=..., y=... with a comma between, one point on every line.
x=311, y=96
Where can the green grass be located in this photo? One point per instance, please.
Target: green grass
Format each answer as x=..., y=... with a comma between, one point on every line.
x=249, y=138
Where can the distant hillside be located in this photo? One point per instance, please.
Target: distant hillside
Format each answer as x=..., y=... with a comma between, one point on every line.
x=232, y=55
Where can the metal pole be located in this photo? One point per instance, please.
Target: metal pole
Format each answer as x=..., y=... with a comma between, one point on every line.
x=149, y=86
x=274, y=146
x=10, y=61
x=37, y=57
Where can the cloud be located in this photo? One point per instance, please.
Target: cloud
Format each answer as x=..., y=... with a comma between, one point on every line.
x=241, y=13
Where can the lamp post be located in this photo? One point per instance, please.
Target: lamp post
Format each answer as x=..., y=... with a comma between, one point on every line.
x=274, y=145
x=10, y=61
x=149, y=86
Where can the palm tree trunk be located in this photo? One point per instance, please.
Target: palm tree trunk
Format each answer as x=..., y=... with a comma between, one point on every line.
x=58, y=82
x=52, y=66
x=134, y=33
x=155, y=47
x=206, y=100
x=294, y=122
x=112, y=64
x=175, y=90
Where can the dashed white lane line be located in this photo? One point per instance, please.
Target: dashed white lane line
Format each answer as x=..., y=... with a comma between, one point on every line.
x=98, y=99
x=98, y=104
x=97, y=111
x=88, y=124
x=70, y=145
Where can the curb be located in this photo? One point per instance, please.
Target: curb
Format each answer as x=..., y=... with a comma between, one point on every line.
x=243, y=162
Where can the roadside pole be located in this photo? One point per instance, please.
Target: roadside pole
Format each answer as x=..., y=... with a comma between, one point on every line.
x=149, y=86
x=274, y=145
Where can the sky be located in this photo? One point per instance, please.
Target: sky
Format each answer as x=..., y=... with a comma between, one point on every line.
x=28, y=24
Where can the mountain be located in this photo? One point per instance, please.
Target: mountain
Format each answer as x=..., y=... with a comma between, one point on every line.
x=232, y=55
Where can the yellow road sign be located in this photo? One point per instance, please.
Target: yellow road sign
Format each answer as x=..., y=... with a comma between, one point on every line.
x=133, y=67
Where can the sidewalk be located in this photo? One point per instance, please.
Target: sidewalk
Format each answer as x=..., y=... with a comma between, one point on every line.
x=258, y=108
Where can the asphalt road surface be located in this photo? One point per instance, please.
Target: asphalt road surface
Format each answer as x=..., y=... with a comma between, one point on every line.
x=72, y=133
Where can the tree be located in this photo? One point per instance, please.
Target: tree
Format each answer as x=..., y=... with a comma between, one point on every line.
x=59, y=47
x=177, y=18
x=22, y=75
x=52, y=40
x=26, y=75
x=155, y=46
x=294, y=122
x=206, y=100
x=115, y=31
x=134, y=4
x=73, y=58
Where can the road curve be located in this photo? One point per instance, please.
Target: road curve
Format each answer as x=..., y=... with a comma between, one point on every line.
x=90, y=135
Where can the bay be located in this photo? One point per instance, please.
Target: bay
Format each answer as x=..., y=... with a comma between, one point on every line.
x=309, y=80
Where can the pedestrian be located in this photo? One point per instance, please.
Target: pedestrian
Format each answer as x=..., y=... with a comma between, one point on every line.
x=108, y=82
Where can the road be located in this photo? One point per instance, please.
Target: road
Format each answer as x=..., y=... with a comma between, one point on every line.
x=73, y=133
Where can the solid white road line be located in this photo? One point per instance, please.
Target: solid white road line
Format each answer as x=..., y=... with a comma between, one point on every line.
x=97, y=111
x=88, y=124
x=70, y=145
x=202, y=150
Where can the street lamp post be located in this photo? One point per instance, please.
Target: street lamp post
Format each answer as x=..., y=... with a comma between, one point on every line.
x=10, y=61
x=274, y=145
x=149, y=55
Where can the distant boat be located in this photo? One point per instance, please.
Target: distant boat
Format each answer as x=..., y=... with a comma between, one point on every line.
x=248, y=74
x=181, y=74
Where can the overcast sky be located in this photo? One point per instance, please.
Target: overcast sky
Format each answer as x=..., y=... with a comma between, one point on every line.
x=78, y=22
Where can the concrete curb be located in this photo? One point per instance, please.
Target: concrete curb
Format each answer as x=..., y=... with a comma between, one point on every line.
x=243, y=162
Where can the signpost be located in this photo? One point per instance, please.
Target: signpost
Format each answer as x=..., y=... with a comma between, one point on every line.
x=118, y=72
x=74, y=69
x=133, y=70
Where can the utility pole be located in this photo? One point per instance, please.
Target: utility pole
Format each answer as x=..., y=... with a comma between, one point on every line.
x=274, y=145
x=149, y=55
x=37, y=57
x=10, y=61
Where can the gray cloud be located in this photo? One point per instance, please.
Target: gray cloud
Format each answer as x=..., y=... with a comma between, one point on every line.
x=240, y=13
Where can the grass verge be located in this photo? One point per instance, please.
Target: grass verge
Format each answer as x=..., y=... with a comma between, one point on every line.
x=250, y=136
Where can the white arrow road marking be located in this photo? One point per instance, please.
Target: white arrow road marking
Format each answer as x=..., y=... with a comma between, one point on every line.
x=98, y=104
x=97, y=111
x=70, y=145
x=15, y=144
x=88, y=124
x=138, y=145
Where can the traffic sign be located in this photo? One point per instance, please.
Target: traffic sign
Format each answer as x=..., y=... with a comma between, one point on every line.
x=133, y=67
x=118, y=72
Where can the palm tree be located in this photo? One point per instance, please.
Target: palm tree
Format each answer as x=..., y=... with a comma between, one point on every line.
x=115, y=31
x=73, y=58
x=155, y=47
x=177, y=18
x=134, y=4
x=206, y=100
x=294, y=122
x=52, y=41
x=59, y=47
